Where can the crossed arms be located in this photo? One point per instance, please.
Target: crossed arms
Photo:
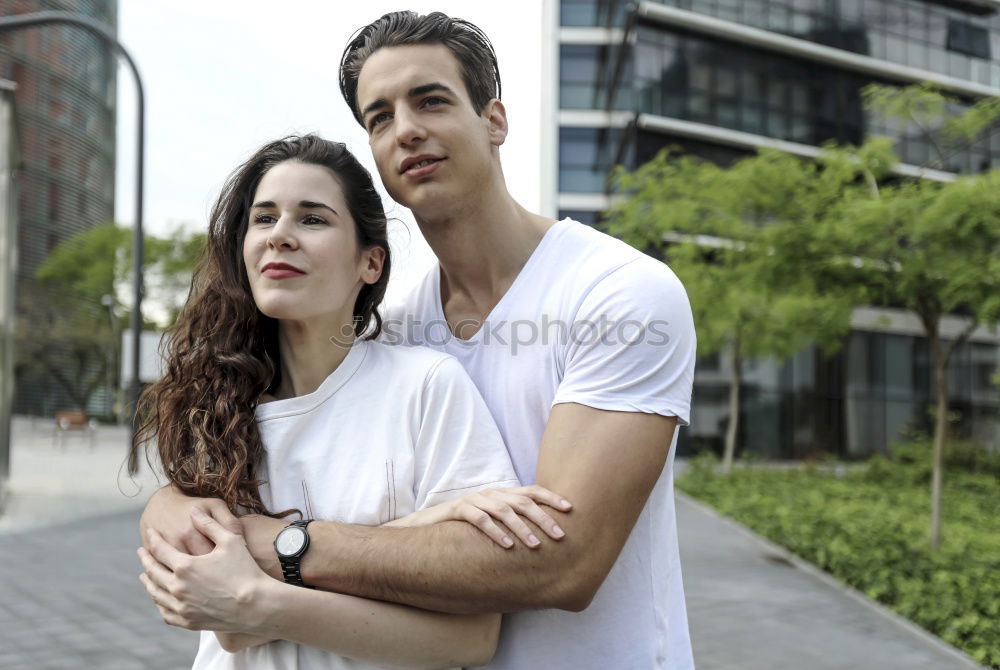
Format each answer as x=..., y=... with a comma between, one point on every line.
x=605, y=462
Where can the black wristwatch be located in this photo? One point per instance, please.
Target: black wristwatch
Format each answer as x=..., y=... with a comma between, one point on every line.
x=291, y=545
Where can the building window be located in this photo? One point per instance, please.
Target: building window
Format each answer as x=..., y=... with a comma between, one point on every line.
x=965, y=38
x=586, y=155
x=53, y=201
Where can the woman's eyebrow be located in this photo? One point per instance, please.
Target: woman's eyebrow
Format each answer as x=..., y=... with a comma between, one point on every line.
x=309, y=204
x=305, y=204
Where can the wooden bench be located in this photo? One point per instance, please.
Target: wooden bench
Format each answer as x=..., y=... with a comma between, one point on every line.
x=73, y=420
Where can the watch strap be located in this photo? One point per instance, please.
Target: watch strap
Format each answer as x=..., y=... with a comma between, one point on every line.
x=291, y=566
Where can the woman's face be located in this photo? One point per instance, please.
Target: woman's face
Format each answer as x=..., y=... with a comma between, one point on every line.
x=301, y=250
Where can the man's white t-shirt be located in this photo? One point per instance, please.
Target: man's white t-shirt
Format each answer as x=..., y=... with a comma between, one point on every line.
x=391, y=431
x=588, y=320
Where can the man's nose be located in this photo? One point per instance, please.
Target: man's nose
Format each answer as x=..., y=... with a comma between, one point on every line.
x=409, y=129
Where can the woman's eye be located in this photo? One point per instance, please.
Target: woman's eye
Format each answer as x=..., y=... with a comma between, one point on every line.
x=313, y=220
x=263, y=218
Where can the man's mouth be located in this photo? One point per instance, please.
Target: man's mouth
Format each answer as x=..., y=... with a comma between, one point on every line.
x=411, y=165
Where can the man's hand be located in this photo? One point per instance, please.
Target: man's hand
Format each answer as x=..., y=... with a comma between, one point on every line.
x=168, y=512
x=259, y=533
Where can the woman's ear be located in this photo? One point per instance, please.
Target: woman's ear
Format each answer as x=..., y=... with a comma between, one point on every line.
x=496, y=116
x=373, y=259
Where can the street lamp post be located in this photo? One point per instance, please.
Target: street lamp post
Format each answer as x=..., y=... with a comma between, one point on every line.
x=102, y=31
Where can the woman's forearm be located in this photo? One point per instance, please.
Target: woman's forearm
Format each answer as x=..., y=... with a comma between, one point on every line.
x=375, y=631
x=234, y=642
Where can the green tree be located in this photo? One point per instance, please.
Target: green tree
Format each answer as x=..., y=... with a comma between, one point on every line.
x=742, y=240
x=932, y=247
x=65, y=330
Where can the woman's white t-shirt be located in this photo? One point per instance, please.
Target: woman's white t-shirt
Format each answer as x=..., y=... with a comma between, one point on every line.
x=393, y=430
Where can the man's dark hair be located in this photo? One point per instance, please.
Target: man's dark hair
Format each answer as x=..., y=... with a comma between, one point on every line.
x=470, y=46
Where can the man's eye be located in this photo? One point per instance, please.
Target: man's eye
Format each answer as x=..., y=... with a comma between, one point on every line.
x=378, y=118
x=434, y=100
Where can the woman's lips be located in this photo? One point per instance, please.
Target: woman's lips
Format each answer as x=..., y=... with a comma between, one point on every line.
x=281, y=273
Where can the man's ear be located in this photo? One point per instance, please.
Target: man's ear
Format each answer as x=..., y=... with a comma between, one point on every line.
x=374, y=259
x=496, y=116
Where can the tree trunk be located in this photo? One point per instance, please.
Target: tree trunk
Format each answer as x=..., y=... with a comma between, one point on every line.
x=732, y=429
x=940, y=434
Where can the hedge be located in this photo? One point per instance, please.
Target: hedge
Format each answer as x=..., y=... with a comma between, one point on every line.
x=868, y=526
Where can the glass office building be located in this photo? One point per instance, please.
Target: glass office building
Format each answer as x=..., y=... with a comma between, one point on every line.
x=65, y=105
x=721, y=78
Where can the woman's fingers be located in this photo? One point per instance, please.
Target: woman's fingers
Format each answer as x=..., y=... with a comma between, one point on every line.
x=163, y=600
x=156, y=571
x=482, y=520
x=542, y=495
x=531, y=511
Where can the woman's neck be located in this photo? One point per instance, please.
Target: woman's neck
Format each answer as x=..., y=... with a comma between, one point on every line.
x=310, y=352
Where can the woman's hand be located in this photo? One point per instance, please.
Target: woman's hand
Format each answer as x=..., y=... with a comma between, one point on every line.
x=210, y=592
x=484, y=509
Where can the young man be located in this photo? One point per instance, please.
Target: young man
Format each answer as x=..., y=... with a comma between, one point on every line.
x=582, y=347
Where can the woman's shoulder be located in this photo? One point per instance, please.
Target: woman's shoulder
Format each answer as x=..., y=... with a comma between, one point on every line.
x=416, y=362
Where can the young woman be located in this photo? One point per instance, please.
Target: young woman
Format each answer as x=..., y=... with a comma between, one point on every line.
x=277, y=399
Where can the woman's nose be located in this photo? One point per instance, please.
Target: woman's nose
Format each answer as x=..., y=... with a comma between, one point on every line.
x=282, y=234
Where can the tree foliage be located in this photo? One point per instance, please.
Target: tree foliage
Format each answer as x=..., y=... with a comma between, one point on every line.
x=742, y=240
x=70, y=318
x=776, y=251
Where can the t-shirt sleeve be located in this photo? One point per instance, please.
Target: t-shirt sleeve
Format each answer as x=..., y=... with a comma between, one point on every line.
x=632, y=345
x=458, y=448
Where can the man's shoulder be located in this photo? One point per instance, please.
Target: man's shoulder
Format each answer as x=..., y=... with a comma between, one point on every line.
x=605, y=266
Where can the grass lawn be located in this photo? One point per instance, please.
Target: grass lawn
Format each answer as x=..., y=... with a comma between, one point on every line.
x=869, y=526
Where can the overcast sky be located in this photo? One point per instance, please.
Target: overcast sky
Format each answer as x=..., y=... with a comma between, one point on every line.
x=223, y=77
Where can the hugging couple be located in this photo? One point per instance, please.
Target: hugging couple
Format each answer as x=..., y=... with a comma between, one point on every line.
x=335, y=501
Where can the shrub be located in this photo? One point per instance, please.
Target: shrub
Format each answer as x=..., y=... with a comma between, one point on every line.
x=869, y=529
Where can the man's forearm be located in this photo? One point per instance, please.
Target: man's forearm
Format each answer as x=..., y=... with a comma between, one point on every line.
x=446, y=567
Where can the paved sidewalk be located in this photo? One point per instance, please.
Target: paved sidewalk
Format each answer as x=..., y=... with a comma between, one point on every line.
x=70, y=595
x=752, y=606
x=84, y=475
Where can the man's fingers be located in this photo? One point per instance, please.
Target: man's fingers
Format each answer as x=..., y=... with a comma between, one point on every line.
x=210, y=527
x=196, y=543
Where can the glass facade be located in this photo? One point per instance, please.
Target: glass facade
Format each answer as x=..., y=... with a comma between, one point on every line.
x=736, y=87
x=878, y=388
x=66, y=98
x=957, y=39
x=587, y=155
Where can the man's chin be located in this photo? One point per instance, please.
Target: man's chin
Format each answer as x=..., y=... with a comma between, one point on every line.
x=426, y=201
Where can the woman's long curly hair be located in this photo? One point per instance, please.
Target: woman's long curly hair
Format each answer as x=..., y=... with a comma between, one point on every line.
x=222, y=353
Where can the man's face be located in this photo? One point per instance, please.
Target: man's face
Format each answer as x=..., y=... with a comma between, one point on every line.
x=432, y=149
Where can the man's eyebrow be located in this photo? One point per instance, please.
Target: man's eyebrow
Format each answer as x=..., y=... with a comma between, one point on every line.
x=305, y=204
x=412, y=93
x=429, y=88
x=372, y=106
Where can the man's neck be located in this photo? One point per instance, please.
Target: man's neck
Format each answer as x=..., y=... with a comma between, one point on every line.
x=482, y=246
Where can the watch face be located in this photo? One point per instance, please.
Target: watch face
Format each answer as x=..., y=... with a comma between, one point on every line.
x=290, y=541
